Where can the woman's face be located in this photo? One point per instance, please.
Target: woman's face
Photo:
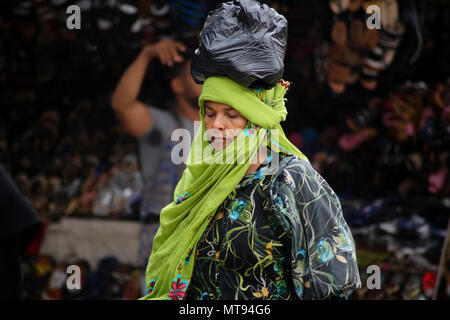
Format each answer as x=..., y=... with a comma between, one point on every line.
x=223, y=124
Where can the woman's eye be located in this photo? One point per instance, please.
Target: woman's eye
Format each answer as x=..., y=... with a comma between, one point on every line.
x=232, y=116
x=210, y=115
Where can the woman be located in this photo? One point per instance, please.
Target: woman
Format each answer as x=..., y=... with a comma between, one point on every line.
x=265, y=229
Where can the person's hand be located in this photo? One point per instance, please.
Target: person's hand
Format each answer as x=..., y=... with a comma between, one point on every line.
x=168, y=51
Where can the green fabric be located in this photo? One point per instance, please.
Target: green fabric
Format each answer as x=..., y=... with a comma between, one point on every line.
x=206, y=182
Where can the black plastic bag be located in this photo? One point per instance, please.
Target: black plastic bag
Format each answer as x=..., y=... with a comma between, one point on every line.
x=244, y=40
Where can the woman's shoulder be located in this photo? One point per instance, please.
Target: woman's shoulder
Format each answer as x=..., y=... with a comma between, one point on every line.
x=299, y=176
x=291, y=165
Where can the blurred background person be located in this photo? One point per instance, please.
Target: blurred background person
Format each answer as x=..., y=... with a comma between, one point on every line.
x=153, y=128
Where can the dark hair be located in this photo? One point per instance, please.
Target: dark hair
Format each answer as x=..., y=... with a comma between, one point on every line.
x=177, y=69
x=160, y=92
x=164, y=91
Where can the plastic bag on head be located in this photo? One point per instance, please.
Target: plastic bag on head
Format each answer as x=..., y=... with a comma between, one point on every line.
x=244, y=40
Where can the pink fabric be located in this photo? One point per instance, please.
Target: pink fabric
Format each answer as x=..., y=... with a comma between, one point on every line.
x=426, y=114
x=350, y=141
x=436, y=180
x=446, y=110
x=296, y=139
x=390, y=119
x=409, y=129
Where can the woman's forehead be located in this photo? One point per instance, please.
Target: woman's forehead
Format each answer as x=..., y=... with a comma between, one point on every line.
x=217, y=106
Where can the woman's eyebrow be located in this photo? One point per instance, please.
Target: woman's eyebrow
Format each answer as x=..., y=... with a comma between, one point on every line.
x=226, y=109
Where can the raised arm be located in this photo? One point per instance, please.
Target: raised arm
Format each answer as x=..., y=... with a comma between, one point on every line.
x=132, y=113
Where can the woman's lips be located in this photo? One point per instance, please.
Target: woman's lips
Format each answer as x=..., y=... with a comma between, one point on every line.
x=218, y=139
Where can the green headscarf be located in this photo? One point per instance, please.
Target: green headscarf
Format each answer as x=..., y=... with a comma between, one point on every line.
x=206, y=182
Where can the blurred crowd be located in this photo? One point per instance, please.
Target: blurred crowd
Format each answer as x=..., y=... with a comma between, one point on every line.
x=44, y=278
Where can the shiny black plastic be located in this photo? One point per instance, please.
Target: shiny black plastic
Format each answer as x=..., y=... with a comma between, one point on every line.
x=244, y=40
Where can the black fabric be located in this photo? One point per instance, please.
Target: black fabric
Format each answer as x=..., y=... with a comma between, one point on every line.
x=10, y=271
x=18, y=224
x=17, y=216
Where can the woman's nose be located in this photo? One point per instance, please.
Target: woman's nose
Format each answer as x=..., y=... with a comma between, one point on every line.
x=219, y=122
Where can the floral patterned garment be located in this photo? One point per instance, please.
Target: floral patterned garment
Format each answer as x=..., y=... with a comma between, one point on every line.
x=280, y=235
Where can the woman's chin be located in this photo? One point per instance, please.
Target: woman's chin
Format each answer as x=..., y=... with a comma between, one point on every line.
x=218, y=147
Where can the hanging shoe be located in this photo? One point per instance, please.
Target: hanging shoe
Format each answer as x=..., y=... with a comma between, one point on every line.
x=428, y=284
x=437, y=180
x=128, y=27
x=355, y=5
x=339, y=6
x=349, y=142
x=413, y=288
x=161, y=18
x=339, y=33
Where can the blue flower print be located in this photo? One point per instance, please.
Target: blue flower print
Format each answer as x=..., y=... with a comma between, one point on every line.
x=325, y=251
x=237, y=208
